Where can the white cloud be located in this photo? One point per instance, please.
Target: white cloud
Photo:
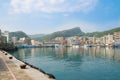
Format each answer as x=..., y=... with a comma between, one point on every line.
x=18, y=6
x=51, y=6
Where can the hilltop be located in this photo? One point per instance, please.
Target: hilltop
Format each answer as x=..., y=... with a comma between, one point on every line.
x=64, y=33
x=18, y=34
x=102, y=33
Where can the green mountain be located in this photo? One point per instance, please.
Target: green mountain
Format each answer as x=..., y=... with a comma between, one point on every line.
x=18, y=34
x=100, y=34
x=64, y=33
x=77, y=32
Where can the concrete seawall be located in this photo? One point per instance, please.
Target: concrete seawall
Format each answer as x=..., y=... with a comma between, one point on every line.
x=31, y=71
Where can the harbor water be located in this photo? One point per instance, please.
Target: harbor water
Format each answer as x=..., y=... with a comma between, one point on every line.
x=74, y=63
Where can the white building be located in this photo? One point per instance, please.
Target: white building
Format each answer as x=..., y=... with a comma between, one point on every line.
x=117, y=36
x=22, y=39
x=6, y=34
x=35, y=43
x=109, y=39
x=92, y=40
x=70, y=41
x=14, y=40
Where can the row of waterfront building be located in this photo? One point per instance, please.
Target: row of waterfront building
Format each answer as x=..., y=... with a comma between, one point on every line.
x=86, y=41
x=74, y=41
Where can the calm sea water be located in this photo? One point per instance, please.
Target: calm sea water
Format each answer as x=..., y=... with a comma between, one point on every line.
x=75, y=64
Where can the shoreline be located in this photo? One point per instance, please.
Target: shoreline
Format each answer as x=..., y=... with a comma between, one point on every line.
x=33, y=72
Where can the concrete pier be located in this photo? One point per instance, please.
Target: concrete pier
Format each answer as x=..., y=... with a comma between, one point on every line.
x=10, y=70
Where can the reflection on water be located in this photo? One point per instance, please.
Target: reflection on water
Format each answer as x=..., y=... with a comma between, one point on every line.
x=75, y=63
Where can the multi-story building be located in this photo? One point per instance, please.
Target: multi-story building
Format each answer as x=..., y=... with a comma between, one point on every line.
x=14, y=40
x=97, y=41
x=117, y=36
x=84, y=40
x=109, y=39
x=70, y=40
x=73, y=40
x=103, y=40
x=3, y=40
x=6, y=34
x=35, y=43
x=92, y=40
x=24, y=41
x=59, y=39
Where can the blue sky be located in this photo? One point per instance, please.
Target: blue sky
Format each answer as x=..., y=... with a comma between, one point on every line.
x=47, y=16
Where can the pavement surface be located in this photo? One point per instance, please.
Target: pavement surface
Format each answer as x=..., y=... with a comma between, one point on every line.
x=2, y=66
x=9, y=71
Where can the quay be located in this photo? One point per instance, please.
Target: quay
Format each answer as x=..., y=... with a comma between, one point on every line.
x=10, y=69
